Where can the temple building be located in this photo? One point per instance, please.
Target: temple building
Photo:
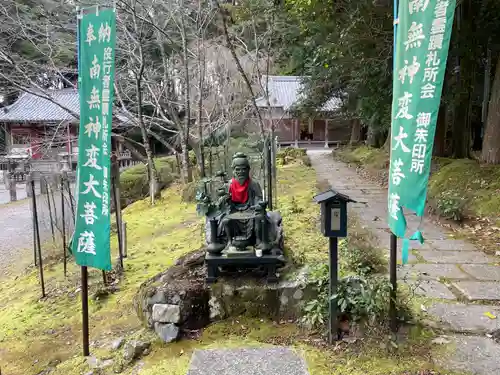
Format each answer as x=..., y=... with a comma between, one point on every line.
x=326, y=128
x=42, y=134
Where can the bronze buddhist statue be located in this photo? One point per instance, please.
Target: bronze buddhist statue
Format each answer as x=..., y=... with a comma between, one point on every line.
x=238, y=223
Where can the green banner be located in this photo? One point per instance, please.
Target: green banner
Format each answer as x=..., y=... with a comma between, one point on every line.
x=96, y=49
x=421, y=50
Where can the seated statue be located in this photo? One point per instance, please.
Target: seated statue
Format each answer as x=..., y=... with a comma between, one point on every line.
x=240, y=212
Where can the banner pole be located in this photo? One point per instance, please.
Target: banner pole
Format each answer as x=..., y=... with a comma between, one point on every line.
x=115, y=192
x=33, y=207
x=63, y=217
x=37, y=235
x=394, y=240
x=333, y=326
x=85, y=311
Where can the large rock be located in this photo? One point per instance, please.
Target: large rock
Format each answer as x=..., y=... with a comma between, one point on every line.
x=178, y=299
x=165, y=313
x=182, y=285
x=167, y=332
x=134, y=349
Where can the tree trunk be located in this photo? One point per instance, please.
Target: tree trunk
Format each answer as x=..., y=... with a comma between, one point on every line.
x=371, y=138
x=356, y=132
x=224, y=15
x=461, y=128
x=387, y=143
x=186, y=167
x=154, y=184
x=201, y=83
x=491, y=140
x=440, y=137
x=199, y=152
x=465, y=79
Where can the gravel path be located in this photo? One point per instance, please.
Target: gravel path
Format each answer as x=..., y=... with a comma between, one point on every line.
x=16, y=232
x=16, y=224
x=444, y=269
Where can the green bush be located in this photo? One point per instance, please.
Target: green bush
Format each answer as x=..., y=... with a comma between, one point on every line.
x=134, y=182
x=363, y=294
x=362, y=299
x=451, y=206
x=360, y=260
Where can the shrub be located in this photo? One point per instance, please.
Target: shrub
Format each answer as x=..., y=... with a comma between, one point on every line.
x=451, y=206
x=360, y=260
x=362, y=296
x=134, y=183
x=362, y=299
x=291, y=155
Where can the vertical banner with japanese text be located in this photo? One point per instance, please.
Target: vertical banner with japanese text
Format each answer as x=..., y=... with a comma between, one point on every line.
x=422, y=44
x=96, y=48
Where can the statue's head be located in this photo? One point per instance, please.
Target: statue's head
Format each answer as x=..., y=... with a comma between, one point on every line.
x=241, y=167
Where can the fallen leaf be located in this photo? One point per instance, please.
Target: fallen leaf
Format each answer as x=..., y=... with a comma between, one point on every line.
x=490, y=315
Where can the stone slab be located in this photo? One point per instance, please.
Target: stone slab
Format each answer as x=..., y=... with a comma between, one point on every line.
x=473, y=354
x=461, y=257
x=479, y=290
x=466, y=318
x=247, y=361
x=411, y=258
x=451, y=244
x=432, y=289
x=426, y=271
x=483, y=271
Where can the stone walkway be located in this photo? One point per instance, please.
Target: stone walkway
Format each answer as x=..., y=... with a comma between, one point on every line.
x=462, y=281
x=247, y=361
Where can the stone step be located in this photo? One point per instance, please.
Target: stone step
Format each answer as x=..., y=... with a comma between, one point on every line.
x=247, y=361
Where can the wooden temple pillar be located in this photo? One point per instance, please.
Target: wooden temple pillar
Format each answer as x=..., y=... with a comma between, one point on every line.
x=296, y=126
x=327, y=123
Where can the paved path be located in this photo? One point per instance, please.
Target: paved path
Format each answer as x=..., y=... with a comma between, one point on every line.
x=462, y=281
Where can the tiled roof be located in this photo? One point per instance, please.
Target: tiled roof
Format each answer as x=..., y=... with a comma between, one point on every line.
x=285, y=91
x=32, y=108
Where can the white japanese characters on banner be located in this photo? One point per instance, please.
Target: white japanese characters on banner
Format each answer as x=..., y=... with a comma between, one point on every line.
x=91, y=240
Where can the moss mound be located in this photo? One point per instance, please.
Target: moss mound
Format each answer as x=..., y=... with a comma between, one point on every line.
x=476, y=185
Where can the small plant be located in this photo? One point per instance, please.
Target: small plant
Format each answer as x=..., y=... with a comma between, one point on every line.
x=359, y=298
x=294, y=207
x=360, y=260
x=316, y=310
x=451, y=206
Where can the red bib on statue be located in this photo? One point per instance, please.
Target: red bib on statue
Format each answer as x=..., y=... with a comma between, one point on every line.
x=239, y=193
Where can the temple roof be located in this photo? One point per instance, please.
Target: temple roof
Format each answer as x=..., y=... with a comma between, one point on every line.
x=30, y=107
x=286, y=91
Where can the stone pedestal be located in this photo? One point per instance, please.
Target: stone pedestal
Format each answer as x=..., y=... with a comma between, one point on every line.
x=179, y=299
x=271, y=262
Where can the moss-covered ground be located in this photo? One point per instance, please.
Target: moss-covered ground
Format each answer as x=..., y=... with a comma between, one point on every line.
x=458, y=188
x=39, y=333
